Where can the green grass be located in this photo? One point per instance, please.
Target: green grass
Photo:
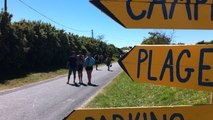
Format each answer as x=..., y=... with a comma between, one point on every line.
x=122, y=92
x=31, y=78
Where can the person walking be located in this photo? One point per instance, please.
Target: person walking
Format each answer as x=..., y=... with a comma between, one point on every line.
x=72, y=64
x=88, y=63
x=101, y=58
x=108, y=62
x=97, y=60
x=80, y=62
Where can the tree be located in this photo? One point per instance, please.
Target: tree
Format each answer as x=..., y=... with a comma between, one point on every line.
x=180, y=43
x=201, y=42
x=156, y=38
x=12, y=45
x=100, y=37
x=204, y=42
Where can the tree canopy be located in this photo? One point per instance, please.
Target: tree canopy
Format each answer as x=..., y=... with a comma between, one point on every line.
x=156, y=38
x=34, y=44
x=204, y=42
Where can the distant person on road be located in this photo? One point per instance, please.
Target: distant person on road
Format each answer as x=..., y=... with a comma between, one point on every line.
x=120, y=56
x=97, y=61
x=80, y=62
x=88, y=63
x=101, y=58
x=72, y=64
x=108, y=62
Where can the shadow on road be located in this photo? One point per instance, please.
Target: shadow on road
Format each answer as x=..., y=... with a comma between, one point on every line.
x=83, y=84
x=78, y=85
x=98, y=70
x=93, y=85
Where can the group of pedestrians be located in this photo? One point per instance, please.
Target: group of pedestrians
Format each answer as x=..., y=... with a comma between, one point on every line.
x=76, y=63
x=99, y=59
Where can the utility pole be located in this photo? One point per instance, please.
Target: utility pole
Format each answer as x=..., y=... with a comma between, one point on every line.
x=5, y=5
x=92, y=34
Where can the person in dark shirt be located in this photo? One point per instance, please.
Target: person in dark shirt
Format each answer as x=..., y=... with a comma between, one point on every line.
x=72, y=64
x=97, y=61
x=109, y=62
x=80, y=62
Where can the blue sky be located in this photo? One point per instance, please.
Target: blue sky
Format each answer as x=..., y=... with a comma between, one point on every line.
x=81, y=16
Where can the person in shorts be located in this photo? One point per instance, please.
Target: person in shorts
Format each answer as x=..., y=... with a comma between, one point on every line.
x=97, y=60
x=72, y=64
x=88, y=63
x=80, y=62
x=108, y=62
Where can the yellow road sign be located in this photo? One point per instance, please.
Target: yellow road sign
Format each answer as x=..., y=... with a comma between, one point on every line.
x=162, y=14
x=200, y=112
x=188, y=66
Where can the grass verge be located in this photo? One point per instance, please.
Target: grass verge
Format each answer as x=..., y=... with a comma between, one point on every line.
x=31, y=78
x=122, y=92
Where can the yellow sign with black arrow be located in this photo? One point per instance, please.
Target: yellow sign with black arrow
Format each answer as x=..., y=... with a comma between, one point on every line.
x=159, y=14
x=188, y=66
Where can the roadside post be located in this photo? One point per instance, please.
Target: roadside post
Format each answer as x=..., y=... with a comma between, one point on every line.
x=187, y=66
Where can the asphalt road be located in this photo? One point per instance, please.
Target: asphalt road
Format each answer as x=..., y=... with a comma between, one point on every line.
x=53, y=99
